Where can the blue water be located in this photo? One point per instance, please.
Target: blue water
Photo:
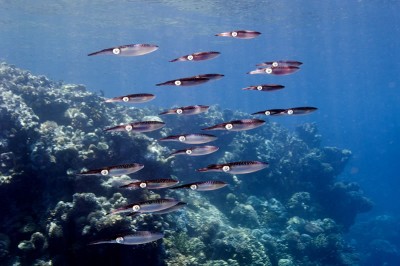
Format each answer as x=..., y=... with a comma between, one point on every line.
x=350, y=51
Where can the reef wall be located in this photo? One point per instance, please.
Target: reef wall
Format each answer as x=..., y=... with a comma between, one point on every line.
x=293, y=213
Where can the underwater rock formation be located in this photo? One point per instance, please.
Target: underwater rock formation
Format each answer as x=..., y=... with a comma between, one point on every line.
x=291, y=213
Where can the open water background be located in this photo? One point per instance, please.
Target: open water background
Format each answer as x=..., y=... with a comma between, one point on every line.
x=350, y=50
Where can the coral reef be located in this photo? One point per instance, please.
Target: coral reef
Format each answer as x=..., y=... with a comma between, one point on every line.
x=379, y=239
x=292, y=213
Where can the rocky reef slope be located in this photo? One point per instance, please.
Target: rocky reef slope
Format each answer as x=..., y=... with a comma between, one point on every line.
x=293, y=213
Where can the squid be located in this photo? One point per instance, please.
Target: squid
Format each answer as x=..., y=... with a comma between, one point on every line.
x=144, y=126
x=187, y=110
x=115, y=170
x=240, y=34
x=191, y=81
x=243, y=167
x=147, y=206
x=139, y=237
x=264, y=87
x=200, y=56
x=132, y=98
x=196, y=151
x=127, y=50
x=204, y=185
x=151, y=184
x=190, y=138
x=279, y=71
x=237, y=125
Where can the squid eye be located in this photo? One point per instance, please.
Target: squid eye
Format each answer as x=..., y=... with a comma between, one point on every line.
x=116, y=51
x=128, y=128
x=125, y=99
x=190, y=57
x=104, y=172
x=182, y=138
x=179, y=111
x=259, y=88
x=178, y=82
x=234, y=34
x=143, y=185
x=193, y=187
x=226, y=168
x=119, y=240
x=229, y=126
x=290, y=112
x=136, y=208
x=188, y=152
x=275, y=64
x=267, y=113
x=268, y=70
